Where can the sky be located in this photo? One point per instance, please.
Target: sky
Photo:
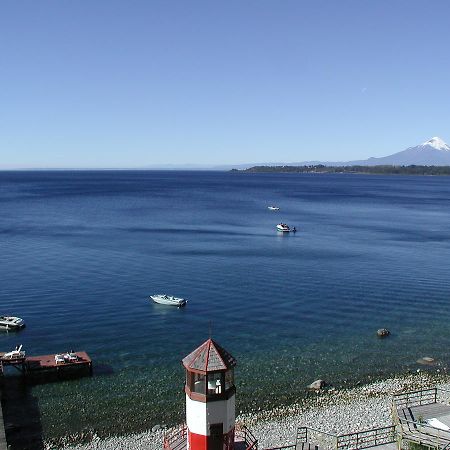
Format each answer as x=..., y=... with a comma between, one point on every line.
x=106, y=83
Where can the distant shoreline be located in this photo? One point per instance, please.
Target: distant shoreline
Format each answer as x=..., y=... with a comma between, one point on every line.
x=369, y=170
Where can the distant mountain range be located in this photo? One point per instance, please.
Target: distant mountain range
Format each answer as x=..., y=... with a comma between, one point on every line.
x=434, y=152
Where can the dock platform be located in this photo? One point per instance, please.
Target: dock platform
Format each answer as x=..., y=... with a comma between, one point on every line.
x=57, y=364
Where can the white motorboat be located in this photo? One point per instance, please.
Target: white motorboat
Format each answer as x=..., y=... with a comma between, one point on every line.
x=273, y=208
x=11, y=323
x=283, y=227
x=164, y=299
x=17, y=353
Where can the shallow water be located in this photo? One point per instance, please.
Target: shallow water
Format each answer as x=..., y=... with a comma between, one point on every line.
x=81, y=252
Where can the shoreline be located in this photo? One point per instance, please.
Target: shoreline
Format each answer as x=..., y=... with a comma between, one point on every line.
x=333, y=410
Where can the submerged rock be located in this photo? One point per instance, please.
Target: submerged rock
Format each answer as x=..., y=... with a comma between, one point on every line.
x=317, y=385
x=383, y=332
x=426, y=360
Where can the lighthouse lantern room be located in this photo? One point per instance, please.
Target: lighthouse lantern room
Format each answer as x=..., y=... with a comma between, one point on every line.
x=210, y=398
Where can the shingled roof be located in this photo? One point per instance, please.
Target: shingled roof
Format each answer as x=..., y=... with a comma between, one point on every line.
x=209, y=357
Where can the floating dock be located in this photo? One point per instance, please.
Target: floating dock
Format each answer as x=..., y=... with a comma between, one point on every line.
x=76, y=363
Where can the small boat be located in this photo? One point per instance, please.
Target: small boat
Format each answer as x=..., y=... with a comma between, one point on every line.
x=164, y=299
x=273, y=208
x=283, y=228
x=11, y=323
x=17, y=353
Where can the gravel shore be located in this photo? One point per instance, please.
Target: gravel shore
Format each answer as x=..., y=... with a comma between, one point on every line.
x=336, y=411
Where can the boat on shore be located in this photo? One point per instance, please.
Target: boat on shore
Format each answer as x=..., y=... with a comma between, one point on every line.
x=169, y=300
x=273, y=208
x=11, y=323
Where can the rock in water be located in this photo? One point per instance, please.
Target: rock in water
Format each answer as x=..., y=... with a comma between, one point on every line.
x=317, y=385
x=426, y=360
x=156, y=428
x=383, y=332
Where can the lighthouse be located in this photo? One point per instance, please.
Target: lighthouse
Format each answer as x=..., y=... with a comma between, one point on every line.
x=210, y=398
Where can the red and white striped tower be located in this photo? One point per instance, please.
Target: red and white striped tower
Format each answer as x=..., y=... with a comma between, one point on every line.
x=210, y=398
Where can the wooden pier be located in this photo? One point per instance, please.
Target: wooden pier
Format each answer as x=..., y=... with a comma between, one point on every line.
x=73, y=363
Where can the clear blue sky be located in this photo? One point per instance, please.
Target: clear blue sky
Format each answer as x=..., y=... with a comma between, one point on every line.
x=133, y=83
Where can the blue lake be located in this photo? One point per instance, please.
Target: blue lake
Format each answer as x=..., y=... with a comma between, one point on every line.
x=81, y=251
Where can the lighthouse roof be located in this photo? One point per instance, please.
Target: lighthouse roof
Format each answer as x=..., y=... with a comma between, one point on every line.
x=209, y=357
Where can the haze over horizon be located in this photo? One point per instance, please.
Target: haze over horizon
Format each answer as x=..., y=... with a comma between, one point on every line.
x=111, y=84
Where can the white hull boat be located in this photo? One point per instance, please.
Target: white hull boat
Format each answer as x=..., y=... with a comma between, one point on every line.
x=11, y=323
x=283, y=228
x=273, y=208
x=164, y=299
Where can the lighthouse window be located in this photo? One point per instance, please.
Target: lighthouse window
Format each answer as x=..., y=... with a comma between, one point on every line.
x=199, y=383
x=215, y=383
x=229, y=379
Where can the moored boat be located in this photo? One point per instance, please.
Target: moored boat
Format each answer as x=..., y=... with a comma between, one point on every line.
x=283, y=228
x=11, y=323
x=164, y=299
x=273, y=208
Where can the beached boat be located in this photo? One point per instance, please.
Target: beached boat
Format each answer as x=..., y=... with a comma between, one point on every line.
x=283, y=227
x=11, y=323
x=164, y=299
x=273, y=208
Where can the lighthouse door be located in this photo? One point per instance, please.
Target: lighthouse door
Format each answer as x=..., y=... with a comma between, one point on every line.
x=215, y=441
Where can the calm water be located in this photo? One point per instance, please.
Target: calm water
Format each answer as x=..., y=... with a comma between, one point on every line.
x=81, y=252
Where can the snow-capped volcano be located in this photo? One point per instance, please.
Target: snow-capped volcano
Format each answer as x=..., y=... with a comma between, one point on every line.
x=437, y=143
x=434, y=152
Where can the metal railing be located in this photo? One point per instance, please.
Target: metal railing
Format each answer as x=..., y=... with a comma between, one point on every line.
x=243, y=433
x=176, y=438
x=415, y=398
x=283, y=447
x=311, y=438
x=421, y=397
x=316, y=438
x=367, y=438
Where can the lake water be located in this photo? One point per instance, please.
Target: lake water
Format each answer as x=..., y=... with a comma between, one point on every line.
x=82, y=251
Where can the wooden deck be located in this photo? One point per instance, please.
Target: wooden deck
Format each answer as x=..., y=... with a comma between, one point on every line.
x=426, y=424
x=48, y=362
x=33, y=366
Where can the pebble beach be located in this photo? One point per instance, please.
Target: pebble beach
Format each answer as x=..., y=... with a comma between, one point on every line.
x=331, y=410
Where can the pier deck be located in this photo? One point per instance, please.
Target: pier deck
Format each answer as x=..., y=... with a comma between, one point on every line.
x=47, y=364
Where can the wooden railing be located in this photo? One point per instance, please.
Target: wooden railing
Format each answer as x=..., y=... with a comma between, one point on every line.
x=367, y=438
